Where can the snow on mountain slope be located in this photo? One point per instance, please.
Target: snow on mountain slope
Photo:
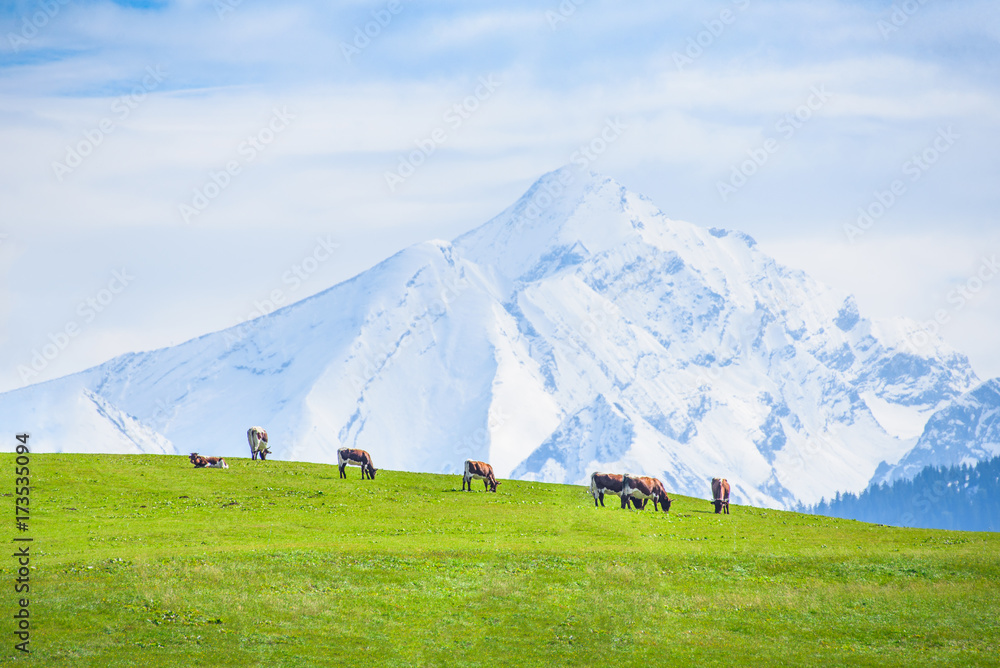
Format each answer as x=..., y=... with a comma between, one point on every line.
x=580, y=329
x=965, y=431
x=66, y=416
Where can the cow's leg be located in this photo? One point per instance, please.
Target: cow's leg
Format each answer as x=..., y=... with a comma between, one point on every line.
x=343, y=474
x=625, y=502
x=486, y=485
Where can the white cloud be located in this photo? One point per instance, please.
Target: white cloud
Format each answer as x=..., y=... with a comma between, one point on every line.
x=353, y=121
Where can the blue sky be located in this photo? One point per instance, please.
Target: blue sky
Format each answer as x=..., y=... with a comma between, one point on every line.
x=832, y=103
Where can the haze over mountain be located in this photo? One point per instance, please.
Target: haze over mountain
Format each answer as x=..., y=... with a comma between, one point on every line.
x=581, y=329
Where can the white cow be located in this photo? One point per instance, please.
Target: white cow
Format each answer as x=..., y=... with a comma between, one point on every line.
x=258, y=443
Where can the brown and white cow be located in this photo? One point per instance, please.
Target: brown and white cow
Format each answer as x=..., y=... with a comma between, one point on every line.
x=720, y=494
x=479, y=471
x=603, y=483
x=257, y=437
x=643, y=488
x=352, y=457
x=207, y=462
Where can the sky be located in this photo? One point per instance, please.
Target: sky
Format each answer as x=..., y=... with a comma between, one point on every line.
x=174, y=168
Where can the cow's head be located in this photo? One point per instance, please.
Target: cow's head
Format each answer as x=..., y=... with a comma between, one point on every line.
x=371, y=471
x=718, y=506
x=665, y=503
x=493, y=485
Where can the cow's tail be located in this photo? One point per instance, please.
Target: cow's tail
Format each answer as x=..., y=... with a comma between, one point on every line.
x=593, y=485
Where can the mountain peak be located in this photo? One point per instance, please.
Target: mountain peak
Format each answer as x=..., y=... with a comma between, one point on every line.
x=578, y=328
x=565, y=209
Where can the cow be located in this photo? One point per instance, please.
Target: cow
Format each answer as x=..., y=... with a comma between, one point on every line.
x=602, y=483
x=479, y=471
x=257, y=437
x=643, y=488
x=720, y=495
x=207, y=462
x=353, y=457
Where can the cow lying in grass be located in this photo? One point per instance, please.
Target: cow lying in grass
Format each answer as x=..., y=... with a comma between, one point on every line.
x=207, y=462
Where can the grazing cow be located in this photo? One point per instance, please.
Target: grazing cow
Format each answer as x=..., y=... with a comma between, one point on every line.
x=720, y=494
x=643, y=488
x=479, y=471
x=602, y=483
x=257, y=437
x=207, y=462
x=352, y=457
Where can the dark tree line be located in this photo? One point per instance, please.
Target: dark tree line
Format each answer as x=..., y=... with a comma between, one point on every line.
x=959, y=497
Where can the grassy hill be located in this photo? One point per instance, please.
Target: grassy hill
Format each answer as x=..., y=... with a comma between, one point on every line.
x=143, y=560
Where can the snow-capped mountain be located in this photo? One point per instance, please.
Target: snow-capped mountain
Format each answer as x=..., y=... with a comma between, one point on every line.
x=581, y=329
x=965, y=431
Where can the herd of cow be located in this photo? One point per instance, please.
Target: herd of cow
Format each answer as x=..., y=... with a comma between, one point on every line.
x=634, y=491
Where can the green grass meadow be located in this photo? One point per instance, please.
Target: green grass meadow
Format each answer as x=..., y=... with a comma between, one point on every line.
x=144, y=560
